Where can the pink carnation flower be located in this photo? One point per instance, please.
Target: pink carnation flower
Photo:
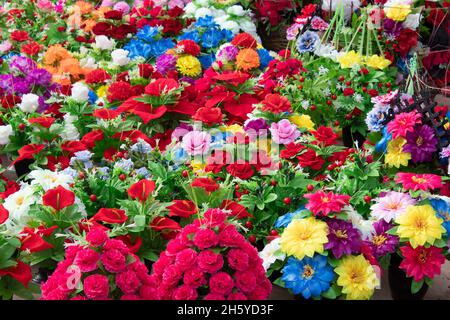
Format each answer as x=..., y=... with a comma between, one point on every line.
x=284, y=132
x=196, y=142
x=86, y=260
x=96, y=287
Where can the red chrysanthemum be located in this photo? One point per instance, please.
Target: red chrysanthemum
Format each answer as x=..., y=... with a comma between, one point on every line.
x=422, y=262
x=321, y=203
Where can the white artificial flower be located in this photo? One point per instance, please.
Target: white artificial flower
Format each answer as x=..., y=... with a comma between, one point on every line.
x=327, y=51
x=271, y=253
x=5, y=133
x=88, y=62
x=202, y=3
x=19, y=203
x=80, y=92
x=231, y=25
x=120, y=57
x=364, y=226
x=30, y=102
x=189, y=9
x=248, y=26
x=70, y=133
x=104, y=43
x=203, y=12
x=236, y=10
x=49, y=179
x=412, y=21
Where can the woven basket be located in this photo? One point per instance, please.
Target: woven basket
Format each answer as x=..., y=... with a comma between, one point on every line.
x=276, y=40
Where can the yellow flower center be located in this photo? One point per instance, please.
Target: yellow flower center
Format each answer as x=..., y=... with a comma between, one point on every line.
x=419, y=141
x=421, y=225
x=304, y=235
x=379, y=240
x=418, y=180
x=342, y=234
x=308, y=271
x=20, y=200
x=423, y=256
x=325, y=200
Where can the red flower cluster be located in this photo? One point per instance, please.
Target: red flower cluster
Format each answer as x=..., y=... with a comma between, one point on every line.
x=273, y=10
x=210, y=256
x=106, y=269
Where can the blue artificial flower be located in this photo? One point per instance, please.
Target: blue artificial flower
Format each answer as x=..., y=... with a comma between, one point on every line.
x=147, y=33
x=103, y=172
x=381, y=145
x=285, y=220
x=141, y=147
x=207, y=60
x=227, y=35
x=309, y=276
x=162, y=46
x=206, y=22
x=376, y=117
x=124, y=164
x=190, y=35
x=92, y=97
x=70, y=172
x=442, y=208
x=307, y=42
x=143, y=172
x=264, y=58
x=180, y=155
x=211, y=38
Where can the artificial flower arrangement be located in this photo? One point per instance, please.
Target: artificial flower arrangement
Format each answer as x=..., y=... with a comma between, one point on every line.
x=209, y=259
x=98, y=267
x=227, y=14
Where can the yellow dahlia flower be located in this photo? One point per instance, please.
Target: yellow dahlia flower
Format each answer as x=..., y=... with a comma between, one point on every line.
x=357, y=278
x=189, y=66
x=395, y=157
x=377, y=62
x=304, y=237
x=302, y=121
x=349, y=59
x=398, y=12
x=420, y=225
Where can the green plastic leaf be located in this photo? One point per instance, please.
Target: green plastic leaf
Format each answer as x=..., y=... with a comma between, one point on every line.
x=416, y=286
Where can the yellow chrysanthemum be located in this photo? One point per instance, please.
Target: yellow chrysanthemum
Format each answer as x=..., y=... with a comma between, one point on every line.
x=304, y=237
x=102, y=91
x=395, y=157
x=398, y=12
x=247, y=59
x=234, y=128
x=198, y=168
x=357, y=278
x=447, y=126
x=189, y=66
x=377, y=62
x=349, y=59
x=420, y=225
x=302, y=121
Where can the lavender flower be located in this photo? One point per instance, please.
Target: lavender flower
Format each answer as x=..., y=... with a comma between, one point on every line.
x=307, y=42
x=165, y=63
x=421, y=143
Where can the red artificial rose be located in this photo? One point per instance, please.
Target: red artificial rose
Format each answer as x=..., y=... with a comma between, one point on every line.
x=28, y=151
x=217, y=160
x=73, y=146
x=4, y=214
x=90, y=138
x=348, y=92
x=97, y=76
x=19, y=35
x=244, y=40
x=182, y=208
x=45, y=122
x=113, y=15
x=145, y=70
x=161, y=86
x=106, y=114
x=325, y=135
x=21, y=272
x=237, y=210
x=405, y=41
x=209, y=116
x=208, y=184
x=310, y=159
x=292, y=149
x=110, y=215
x=243, y=171
x=276, y=103
x=31, y=48
x=175, y=12
x=102, y=28
x=58, y=198
x=141, y=190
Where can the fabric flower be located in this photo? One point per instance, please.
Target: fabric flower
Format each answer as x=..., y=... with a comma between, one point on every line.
x=342, y=238
x=284, y=132
x=382, y=243
x=419, y=181
x=391, y=205
x=396, y=155
x=421, y=143
x=321, y=203
x=421, y=262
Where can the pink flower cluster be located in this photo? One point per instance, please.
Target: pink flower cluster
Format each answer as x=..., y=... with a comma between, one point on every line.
x=210, y=259
x=103, y=270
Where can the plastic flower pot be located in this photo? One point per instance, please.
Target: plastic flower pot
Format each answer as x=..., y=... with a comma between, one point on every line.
x=400, y=284
x=349, y=138
x=22, y=167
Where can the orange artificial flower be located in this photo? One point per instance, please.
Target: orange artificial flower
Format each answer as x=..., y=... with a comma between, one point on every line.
x=247, y=59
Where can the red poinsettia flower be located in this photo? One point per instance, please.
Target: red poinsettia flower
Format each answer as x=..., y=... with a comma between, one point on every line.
x=28, y=151
x=422, y=262
x=142, y=110
x=208, y=184
x=162, y=140
x=58, y=198
x=21, y=272
x=168, y=227
x=237, y=210
x=182, y=208
x=106, y=114
x=110, y=215
x=141, y=190
x=57, y=163
x=90, y=138
x=45, y=122
x=73, y=146
x=161, y=86
x=4, y=214
x=321, y=203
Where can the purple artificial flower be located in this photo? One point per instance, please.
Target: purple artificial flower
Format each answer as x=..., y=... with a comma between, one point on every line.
x=392, y=27
x=39, y=77
x=21, y=86
x=187, y=80
x=181, y=130
x=343, y=238
x=7, y=82
x=421, y=143
x=227, y=53
x=165, y=63
x=382, y=243
x=21, y=64
x=256, y=124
